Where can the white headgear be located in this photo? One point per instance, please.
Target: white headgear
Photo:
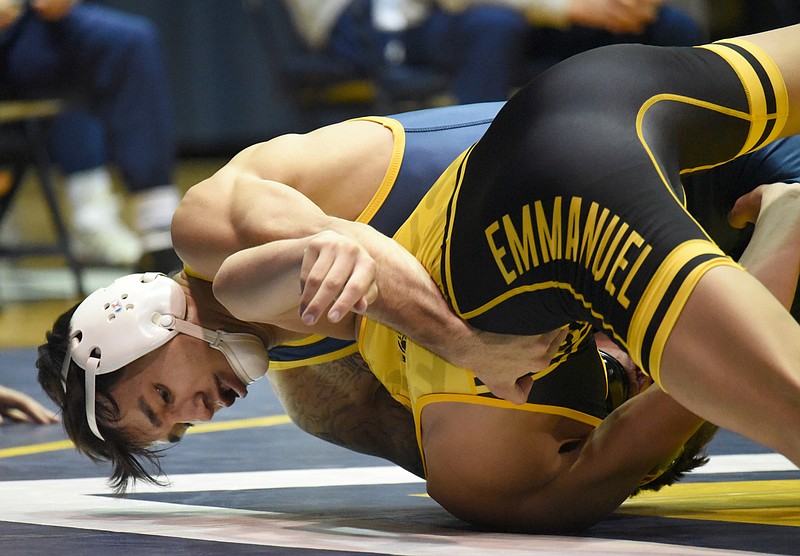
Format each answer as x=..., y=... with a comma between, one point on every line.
x=133, y=316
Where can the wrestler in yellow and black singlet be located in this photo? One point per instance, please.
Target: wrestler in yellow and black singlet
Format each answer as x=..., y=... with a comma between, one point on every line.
x=570, y=211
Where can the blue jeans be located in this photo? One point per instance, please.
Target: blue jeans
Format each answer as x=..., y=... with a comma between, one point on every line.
x=109, y=66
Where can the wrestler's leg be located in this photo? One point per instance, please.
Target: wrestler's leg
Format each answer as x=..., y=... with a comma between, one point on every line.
x=733, y=357
x=783, y=46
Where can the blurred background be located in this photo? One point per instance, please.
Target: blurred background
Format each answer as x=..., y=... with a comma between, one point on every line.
x=225, y=97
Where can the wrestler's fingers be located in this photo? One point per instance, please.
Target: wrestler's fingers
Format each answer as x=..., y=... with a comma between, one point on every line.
x=314, y=275
x=17, y=415
x=367, y=300
x=516, y=392
x=557, y=338
x=26, y=410
x=522, y=388
x=358, y=292
x=39, y=414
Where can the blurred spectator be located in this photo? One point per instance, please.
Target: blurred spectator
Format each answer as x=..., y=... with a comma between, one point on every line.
x=473, y=46
x=108, y=66
x=488, y=46
x=554, y=30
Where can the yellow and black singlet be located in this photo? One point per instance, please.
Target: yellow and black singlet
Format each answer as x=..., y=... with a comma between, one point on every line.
x=570, y=209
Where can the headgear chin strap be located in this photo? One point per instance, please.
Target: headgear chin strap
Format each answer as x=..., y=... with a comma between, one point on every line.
x=133, y=316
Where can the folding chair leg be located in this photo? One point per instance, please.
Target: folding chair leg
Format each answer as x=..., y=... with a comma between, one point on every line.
x=42, y=167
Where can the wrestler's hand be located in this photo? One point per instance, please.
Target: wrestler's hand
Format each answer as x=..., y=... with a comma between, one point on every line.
x=616, y=16
x=21, y=407
x=504, y=355
x=749, y=208
x=773, y=253
x=338, y=274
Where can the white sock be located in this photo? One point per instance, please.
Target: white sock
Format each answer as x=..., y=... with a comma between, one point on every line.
x=154, y=209
x=91, y=196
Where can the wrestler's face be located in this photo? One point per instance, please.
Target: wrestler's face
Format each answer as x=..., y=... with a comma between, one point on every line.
x=181, y=383
x=638, y=381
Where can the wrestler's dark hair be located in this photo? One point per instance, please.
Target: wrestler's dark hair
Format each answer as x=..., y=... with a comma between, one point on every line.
x=692, y=457
x=128, y=456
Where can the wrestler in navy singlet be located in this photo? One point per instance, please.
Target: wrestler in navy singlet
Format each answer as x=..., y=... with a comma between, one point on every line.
x=426, y=141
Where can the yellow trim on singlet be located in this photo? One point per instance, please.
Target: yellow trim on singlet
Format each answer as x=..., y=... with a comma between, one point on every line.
x=509, y=294
x=649, y=103
x=676, y=307
x=316, y=360
x=653, y=295
x=757, y=115
x=193, y=274
x=448, y=276
x=396, y=161
x=427, y=399
x=755, y=95
x=402, y=378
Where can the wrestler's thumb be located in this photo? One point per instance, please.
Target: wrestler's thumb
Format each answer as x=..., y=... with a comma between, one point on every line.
x=746, y=209
x=516, y=392
x=523, y=388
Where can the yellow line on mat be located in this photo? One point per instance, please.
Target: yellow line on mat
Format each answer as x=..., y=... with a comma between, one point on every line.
x=197, y=429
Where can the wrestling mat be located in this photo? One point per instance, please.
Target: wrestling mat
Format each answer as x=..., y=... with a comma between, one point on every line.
x=252, y=483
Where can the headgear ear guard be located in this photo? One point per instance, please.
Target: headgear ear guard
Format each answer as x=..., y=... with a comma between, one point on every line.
x=136, y=314
x=618, y=382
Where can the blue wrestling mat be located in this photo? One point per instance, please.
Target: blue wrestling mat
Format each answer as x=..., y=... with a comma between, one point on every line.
x=255, y=484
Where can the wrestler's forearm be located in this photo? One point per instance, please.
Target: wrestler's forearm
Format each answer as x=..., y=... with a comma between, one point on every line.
x=642, y=434
x=410, y=302
x=261, y=283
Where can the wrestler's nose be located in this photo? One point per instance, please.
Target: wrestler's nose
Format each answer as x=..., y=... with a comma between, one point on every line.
x=193, y=409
